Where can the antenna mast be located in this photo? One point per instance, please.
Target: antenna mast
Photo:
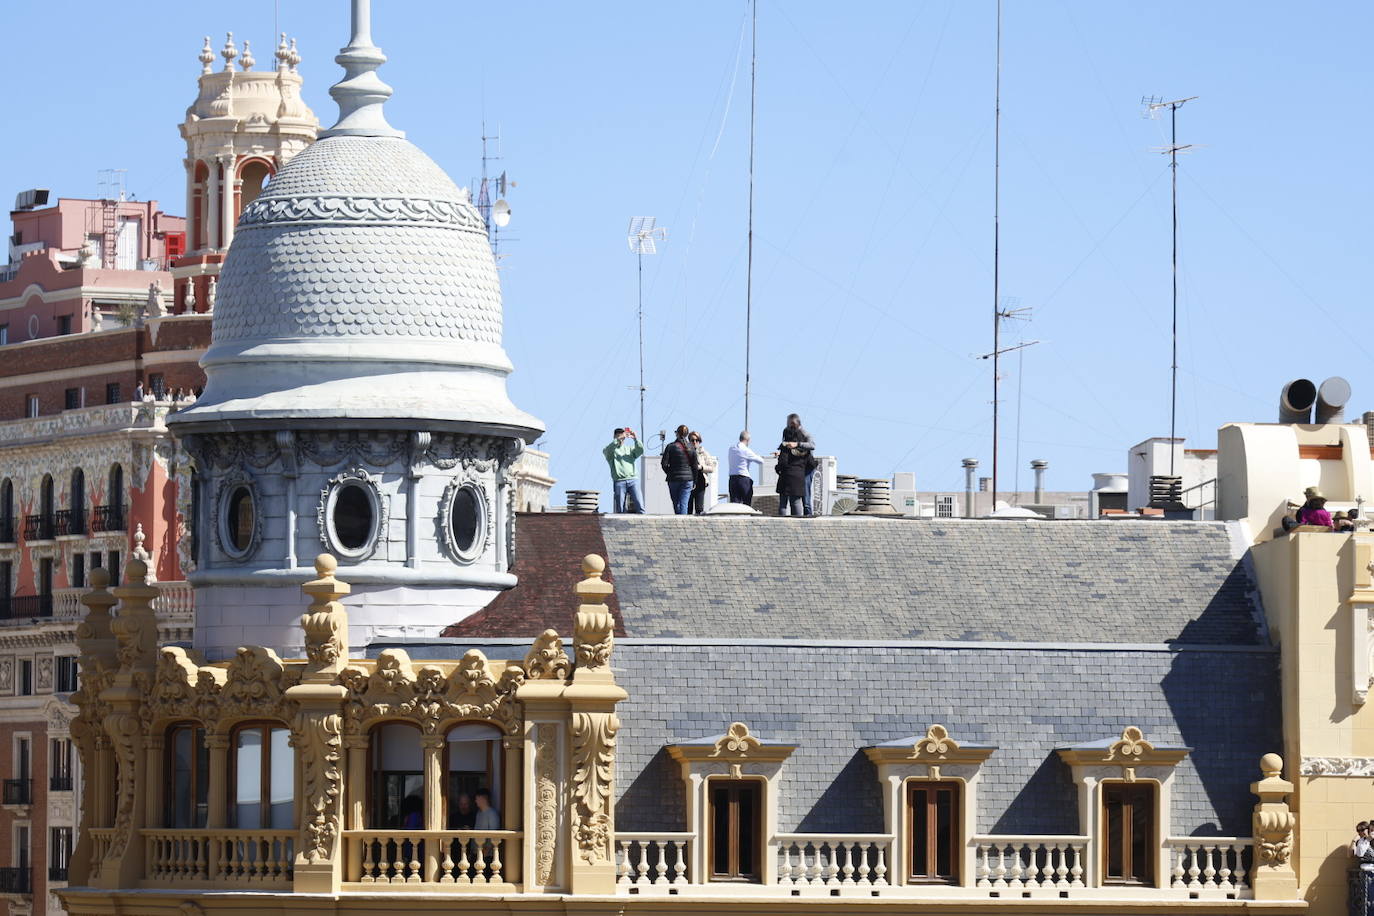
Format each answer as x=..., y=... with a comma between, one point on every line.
x=495, y=213
x=749, y=268
x=643, y=238
x=996, y=246
x=1153, y=104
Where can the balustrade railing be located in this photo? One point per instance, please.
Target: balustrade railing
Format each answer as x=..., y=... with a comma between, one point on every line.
x=108, y=518
x=1031, y=861
x=222, y=857
x=457, y=857
x=101, y=838
x=833, y=860
x=653, y=858
x=1218, y=864
x=38, y=528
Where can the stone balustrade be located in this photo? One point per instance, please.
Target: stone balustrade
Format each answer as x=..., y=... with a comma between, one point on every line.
x=1218, y=864
x=221, y=858
x=654, y=858
x=833, y=860
x=1031, y=861
x=452, y=857
x=87, y=420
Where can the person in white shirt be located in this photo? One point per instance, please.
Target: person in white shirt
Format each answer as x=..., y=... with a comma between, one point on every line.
x=488, y=818
x=741, y=481
x=1363, y=846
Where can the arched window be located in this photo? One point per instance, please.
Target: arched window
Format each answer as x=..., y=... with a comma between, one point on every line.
x=398, y=778
x=263, y=779
x=199, y=207
x=45, y=499
x=473, y=777
x=253, y=177
x=188, y=777
x=7, y=511
x=77, y=522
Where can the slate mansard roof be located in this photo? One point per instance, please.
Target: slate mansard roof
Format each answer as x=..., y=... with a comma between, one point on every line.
x=884, y=579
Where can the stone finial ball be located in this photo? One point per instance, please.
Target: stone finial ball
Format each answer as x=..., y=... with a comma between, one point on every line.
x=325, y=565
x=1271, y=765
x=100, y=577
x=592, y=565
x=135, y=570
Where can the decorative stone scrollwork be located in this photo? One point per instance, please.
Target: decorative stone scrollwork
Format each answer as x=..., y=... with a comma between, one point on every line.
x=1131, y=744
x=231, y=483
x=318, y=740
x=936, y=743
x=593, y=737
x=736, y=742
x=442, y=214
x=326, y=625
x=394, y=689
x=255, y=686
x=546, y=659
x=377, y=449
x=1337, y=766
x=545, y=800
x=1273, y=821
x=463, y=497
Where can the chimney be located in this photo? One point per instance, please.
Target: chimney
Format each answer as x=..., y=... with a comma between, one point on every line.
x=875, y=496
x=970, y=466
x=584, y=500
x=1038, y=465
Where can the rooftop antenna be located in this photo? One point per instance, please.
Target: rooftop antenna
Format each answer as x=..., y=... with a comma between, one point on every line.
x=495, y=213
x=643, y=237
x=749, y=268
x=997, y=310
x=1153, y=105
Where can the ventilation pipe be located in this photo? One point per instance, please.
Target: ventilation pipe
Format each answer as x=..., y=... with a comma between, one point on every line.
x=584, y=500
x=970, y=466
x=1038, y=465
x=1331, y=400
x=1295, y=402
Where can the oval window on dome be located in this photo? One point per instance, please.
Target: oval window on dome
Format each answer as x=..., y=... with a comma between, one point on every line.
x=353, y=517
x=240, y=517
x=466, y=521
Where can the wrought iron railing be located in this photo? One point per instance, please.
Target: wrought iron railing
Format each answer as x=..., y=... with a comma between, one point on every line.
x=57, y=873
x=17, y=792
x=38, y=528
x=69, y=521
x=108, y=518
x=16, y=880
x=22, y=607
x=60, y=782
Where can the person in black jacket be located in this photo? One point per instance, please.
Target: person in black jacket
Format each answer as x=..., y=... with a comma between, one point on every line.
x=794, y=460
x=679, y=463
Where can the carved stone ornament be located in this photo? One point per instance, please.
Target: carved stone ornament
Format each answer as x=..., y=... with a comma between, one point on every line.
x=546, y=659
x=255, y=686
x=1130, y=746
x=318, y=740
x=363, y=211
x=227, y=486
x=1337, y=766
x=326, y=624
x=545, y=801
x=593, y=737
x=6, y=675
x=394, y=689
x=43, y=673
x=1273, y=821
x=355, y=476
x=936, y=743
x=372, y=448
x=485, y=520
x=736, y=742
x=595, y=633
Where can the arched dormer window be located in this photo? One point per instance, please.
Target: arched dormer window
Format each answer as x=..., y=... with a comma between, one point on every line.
x=262, y=779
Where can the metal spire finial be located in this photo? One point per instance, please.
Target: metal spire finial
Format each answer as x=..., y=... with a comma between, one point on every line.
x=361, y=93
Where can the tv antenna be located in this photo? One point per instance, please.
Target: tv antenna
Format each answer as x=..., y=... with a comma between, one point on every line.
x=997, y=306
x=643, y=237
x=749, y=265
x=495, y=212
x=1153, y=106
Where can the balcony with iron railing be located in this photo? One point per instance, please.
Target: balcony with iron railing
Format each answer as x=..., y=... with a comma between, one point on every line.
x=38, y=528
x=108, y=518
x=60, y=782
x=16, y=880
x=17, y=792
x=25, y=607
x=57, y=873
x=69, y=521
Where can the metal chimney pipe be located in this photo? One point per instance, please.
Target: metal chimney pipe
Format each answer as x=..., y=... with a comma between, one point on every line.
x=1331, y=399
x=1038, y=465
x=970, y=467
x=1295, y=401
x=583, y=500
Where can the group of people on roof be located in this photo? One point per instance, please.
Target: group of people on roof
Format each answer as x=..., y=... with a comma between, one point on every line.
x=1313, y=514
x=687, y=465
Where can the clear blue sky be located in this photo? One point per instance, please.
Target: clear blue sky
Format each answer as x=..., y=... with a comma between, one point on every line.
x=873, y=262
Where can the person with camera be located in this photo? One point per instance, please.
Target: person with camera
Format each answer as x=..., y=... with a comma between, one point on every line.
x=679, y=463
x=621, y=455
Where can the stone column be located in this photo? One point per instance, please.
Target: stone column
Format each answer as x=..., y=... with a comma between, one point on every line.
x=1273, y=877
x=217, y=793
x=356, y=806
x=228, y=185
x=211, y=205
x=156, y=802
x=591, y=702
x=317, y=734
x=190, y=213
x=96, y=641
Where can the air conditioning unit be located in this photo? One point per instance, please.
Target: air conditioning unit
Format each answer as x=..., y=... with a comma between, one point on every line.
x=944, y=507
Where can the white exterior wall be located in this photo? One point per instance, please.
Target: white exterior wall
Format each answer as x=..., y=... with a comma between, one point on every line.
x=1151, y=458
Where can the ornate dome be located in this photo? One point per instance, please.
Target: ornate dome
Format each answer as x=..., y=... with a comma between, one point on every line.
x=359, y=285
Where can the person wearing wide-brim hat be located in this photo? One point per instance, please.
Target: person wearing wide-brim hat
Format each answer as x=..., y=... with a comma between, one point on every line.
x=1314, y=513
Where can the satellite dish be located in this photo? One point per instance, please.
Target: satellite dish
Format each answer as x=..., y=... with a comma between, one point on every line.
x=500, y=213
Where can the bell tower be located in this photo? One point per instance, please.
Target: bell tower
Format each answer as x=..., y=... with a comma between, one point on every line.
x=244, y=125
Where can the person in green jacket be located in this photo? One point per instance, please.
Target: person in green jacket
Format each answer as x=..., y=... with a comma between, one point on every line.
x=621, y=455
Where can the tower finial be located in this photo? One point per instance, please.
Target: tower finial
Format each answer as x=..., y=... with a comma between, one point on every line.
x=361, y=93
x=247, y=59
x=283, y=54
x=207, y=57
x=229, y=52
